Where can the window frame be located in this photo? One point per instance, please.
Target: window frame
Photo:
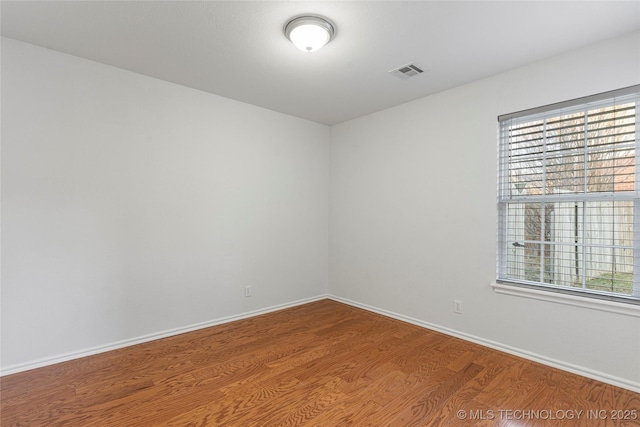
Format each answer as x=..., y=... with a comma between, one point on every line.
x=548, y=291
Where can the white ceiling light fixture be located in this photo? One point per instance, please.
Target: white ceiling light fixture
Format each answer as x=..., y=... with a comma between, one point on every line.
x=309, y=32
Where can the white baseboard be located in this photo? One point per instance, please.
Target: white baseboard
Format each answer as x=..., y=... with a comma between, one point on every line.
x=13, y=369
x=565, y=366
x=579, y=370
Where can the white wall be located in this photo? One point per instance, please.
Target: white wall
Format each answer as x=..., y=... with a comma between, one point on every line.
x=132, y=206
x=413, y=214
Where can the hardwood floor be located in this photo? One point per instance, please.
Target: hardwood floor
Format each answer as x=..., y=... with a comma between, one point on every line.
x=320, y=364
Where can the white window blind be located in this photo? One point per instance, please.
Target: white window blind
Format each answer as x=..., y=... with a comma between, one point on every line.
x=568, y=206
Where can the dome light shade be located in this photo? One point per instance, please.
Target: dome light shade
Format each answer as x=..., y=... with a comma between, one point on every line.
x=309, y=33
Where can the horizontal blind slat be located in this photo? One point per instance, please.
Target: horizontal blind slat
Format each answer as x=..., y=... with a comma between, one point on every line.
x=567, y=194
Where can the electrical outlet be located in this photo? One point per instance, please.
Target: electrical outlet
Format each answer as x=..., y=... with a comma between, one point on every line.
x=247, y=291
x=457, y=306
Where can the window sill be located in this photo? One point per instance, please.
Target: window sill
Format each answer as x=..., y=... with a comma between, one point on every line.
x=561, y=298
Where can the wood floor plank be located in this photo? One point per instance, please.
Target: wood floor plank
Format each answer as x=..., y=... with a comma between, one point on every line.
x=320, y=364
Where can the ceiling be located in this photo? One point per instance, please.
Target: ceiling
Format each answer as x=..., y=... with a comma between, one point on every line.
x=237, y=49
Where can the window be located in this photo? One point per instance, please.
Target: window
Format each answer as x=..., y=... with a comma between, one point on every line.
x=568, y=205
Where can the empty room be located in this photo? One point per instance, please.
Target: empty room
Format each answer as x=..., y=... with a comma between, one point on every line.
x=322, y=213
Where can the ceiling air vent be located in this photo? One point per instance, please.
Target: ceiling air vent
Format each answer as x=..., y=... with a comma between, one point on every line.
x=406, y=71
